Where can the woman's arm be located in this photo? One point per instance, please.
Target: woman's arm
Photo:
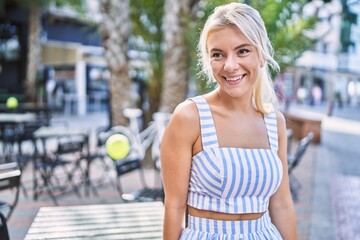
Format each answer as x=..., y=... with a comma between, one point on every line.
x=176, y=153
x=281, y=207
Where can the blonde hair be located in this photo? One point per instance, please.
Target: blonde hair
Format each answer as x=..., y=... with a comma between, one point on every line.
x=250, y=23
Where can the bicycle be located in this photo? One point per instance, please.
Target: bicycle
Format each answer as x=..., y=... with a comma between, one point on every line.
x=140, y=142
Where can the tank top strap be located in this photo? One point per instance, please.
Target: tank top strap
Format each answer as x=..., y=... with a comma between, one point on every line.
x=207, y=126
x=271, y=126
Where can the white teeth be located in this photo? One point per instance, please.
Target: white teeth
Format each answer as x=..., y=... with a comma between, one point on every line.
x=234, y=79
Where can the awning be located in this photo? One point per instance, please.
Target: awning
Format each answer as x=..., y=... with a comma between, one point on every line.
x=59, y=53
x=64, y=53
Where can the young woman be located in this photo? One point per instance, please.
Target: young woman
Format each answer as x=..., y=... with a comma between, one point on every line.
x=223, y=154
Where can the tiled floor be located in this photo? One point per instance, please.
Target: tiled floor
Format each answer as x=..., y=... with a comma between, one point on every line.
x=304, y=172
x=346, y=195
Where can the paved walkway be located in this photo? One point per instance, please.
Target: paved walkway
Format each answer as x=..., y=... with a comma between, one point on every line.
x=329, y=173
x=335, y=178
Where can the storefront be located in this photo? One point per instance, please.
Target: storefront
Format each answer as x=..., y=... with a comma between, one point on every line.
x=71, y=66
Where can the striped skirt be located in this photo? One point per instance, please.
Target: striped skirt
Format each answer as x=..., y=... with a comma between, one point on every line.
x=201, y=228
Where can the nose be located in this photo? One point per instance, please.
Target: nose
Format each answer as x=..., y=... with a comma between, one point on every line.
x=230, y=63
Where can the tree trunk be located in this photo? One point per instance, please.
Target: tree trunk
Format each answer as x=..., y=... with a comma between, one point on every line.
x=34, y=52
x=175, y=55
x=115, y=32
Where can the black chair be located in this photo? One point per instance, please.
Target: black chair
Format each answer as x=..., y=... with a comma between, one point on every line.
x=104, y=167
x=26, y=136
x=293, y=162
x=10, y=133
x=60, y=169
x=10, y=178
x=4, y=233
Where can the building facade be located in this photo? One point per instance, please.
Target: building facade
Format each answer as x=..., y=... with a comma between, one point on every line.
x=333, y=65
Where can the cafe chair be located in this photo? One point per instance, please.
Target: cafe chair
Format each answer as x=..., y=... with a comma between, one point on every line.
x=293, y=162
x=9, y=139
x=10, y=178
x=26, y=139
x=104, y=166
x=60, y=168
x=4, y=233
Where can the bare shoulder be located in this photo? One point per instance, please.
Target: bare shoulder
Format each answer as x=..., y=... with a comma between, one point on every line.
x=186, y=113
x=280, y=119
x=184, y=124
x=281, y=122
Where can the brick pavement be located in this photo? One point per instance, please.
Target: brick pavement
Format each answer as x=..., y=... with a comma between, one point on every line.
x=346, y=206
x=304, y=172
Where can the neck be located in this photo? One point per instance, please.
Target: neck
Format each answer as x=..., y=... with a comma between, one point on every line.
x=239, y=104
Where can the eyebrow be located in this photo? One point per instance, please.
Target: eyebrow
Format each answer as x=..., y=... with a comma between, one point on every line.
x=240, y=46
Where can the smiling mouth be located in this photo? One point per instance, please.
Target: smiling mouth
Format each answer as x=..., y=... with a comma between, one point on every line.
x=234, y=79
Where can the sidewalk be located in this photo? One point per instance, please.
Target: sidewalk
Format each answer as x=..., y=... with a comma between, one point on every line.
x=331, y=180
x=328, y=206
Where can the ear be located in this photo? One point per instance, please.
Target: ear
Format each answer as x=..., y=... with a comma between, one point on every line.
x=262, y=63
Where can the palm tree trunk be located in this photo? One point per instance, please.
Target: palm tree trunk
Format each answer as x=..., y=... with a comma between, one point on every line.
x=175, y=55
x=34, y=52
x=115, y=31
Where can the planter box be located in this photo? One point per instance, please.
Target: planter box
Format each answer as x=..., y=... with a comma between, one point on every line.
x=301, y=124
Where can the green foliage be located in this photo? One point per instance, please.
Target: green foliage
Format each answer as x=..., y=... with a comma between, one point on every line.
x=147, y=17
x=286, y=26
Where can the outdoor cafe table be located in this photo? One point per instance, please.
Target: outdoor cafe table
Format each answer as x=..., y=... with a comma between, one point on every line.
x=9, y=126
x=16, y=118
x=60, y=131
x=47, y=132
x=141, y=220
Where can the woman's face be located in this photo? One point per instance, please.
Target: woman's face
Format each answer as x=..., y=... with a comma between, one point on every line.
x=234, y=61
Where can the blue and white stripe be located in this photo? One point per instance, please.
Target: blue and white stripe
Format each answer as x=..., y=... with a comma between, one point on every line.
x=208, y=132
x=201, y=228
x=271, y=125
x=233, y=180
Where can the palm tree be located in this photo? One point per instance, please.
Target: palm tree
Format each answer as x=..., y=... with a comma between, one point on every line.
x=115, y=33
x=34, y=51
x=176, y=53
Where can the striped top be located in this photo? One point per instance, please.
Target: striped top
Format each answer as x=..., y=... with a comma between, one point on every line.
x=233, y=180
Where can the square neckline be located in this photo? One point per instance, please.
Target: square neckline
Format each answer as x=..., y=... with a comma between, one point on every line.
x=269, y=147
